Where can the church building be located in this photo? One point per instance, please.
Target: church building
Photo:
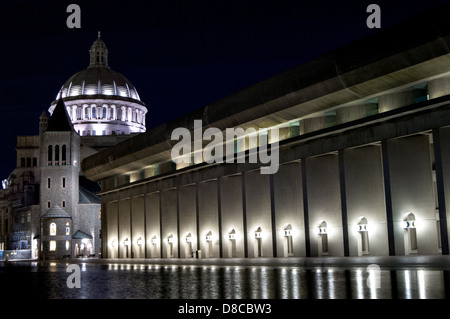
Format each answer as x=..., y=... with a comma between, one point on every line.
x=49, y=210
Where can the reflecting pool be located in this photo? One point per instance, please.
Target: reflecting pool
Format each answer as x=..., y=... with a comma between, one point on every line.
x=154, y=281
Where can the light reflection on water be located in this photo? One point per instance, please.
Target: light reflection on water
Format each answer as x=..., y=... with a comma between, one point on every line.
x=118, y=281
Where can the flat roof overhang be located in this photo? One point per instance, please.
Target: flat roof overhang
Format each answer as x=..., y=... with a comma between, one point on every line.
x=411, y=52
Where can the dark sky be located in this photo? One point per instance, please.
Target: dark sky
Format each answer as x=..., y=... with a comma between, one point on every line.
x=180, y=55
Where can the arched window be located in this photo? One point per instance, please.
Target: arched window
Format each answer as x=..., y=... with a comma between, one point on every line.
x=34, y=161
x=28, y=162
x=57, y=155
x=323, y=240
x=119, y=114
x=50, y=155
x=86, y=113
x=289, y=242
x=52, y=229
x=22, y=162
x=258, y=246
x=104, y=112
x=410, y=238
x=94, y=112
x=63, y=155
x=79, y=113
x=363, y=240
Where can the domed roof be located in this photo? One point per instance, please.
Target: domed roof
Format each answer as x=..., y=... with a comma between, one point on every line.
x=98, y=78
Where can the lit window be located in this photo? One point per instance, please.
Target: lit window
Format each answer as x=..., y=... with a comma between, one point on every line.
x=52, y=245
x=67, y=230
x=67, y=244
x=52, y=229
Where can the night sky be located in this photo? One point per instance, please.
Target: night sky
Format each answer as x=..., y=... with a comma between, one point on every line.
x=180, y=55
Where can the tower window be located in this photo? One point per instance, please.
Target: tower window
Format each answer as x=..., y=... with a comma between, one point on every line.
x=63, y=155
x=63, y=204
x=57, y=155
x=49, y=182
x=52, y=229
x=50, y=155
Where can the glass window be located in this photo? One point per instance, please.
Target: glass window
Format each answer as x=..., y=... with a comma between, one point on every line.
x=52, y=245
x=67, y=244
x=52, y=229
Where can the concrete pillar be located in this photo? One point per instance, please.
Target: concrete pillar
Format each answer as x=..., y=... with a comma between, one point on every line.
x=258, y=210
x=124, y=228
x=138, y=227
x=393, y=101
x=445, y=159
x=324, y=202
x=188, y=220
x=232, y=216
x=412, y=192
x=208, y=219
x=169, y=223
x=111, y=244
x=439, y=87
x=152, y=227
x=365, y=198
x=289, y=208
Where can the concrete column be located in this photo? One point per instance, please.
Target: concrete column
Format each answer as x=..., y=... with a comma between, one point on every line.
x=288, y=198
x=439, y=87
x=306, y=209
x=444, y=138
x=153, y=225
x=393, y=101
x=232, y=213
x=124, y=228
x=258, y=210
x=343, y=202
x=365, y=198
x=442, y=211
x=188, y=218
x=138, y=226
x=169, y=223
x=412, y=192
x=324, y=202
x=112, y=226
x=208, y=218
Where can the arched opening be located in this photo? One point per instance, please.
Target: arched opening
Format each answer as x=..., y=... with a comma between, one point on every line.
x=288, y=242
x=170, y=246
x=323, y=239
x=410, y=234
x=209, y=245
x=188, y=252
x=232, y=243
x=57, y=155
x=63, y=155
x=50, y=155
x=363, y=237
x=153, y=248
x=52, y=229
x=258, y=245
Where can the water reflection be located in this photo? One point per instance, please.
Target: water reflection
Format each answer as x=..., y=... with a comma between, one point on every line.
x=118, y=281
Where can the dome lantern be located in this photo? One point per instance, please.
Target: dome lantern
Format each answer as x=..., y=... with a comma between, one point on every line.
x=98, y=53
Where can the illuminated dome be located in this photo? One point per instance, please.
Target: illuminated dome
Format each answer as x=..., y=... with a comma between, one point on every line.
x=101, y=101
x=98, y=81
